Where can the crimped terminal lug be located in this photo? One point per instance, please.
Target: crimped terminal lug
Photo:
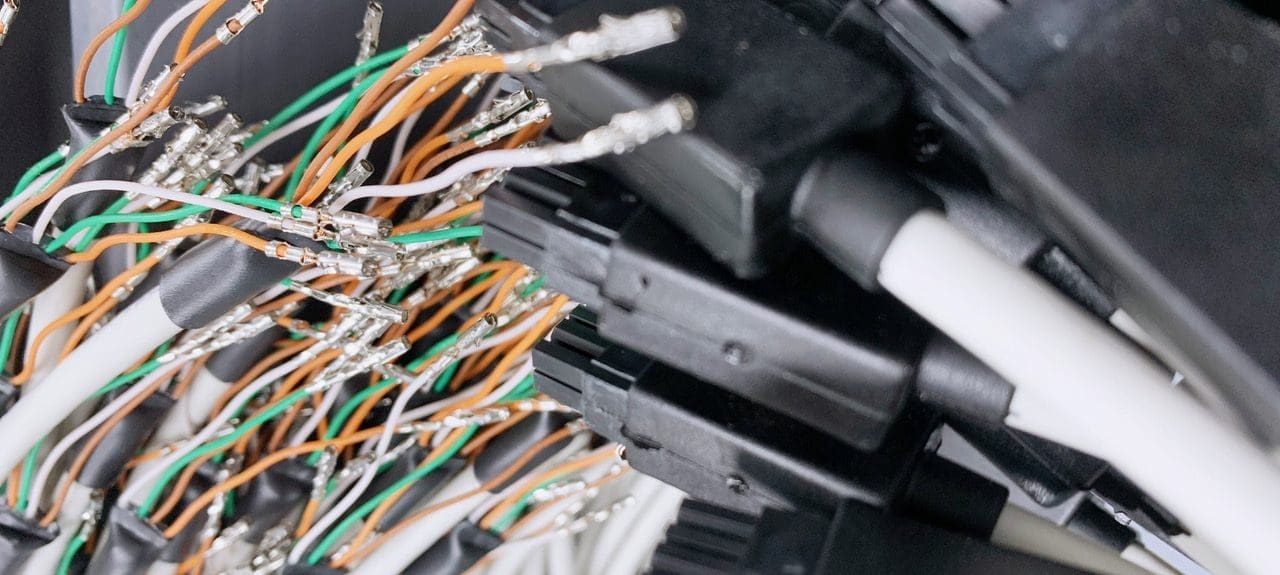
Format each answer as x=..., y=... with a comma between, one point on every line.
x=210, y=106
x=537, y=113
x=369, y=36
x=355, y=177
x=237, y=22
x=333, y=262
x=502, y=109
x=626, y=131
x=616, y=36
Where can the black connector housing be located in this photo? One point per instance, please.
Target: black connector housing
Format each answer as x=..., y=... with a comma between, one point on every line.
x=759, y=123
x=121, y=443
x=804, y=340
x=456, y=553
x=85, y=122
x=19, y=538
x=711, y=443
x=131, y=545
x=273, y=495
x=856, y=538
x=505, y=449
x=25, y=269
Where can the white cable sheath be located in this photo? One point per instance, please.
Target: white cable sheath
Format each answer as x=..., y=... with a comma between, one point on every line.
x=72, y=438
x=42, y=223
x=142, y=480
x=1119, y=401
x=153, y=47
x=45, y=560
x=191, y=410
x=401, y=549
x=55, y=301
x=115, y=348
x=1021, y=530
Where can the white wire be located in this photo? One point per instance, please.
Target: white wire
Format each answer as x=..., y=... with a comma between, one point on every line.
x=1116, y=402
x=317, y=415
x=134, y=490
x=383, y=112
x=153, y=47
x=402, y=141
x=495, y=159
x=51, y=460
x=39, y=184
x=380, y=449
x=42, y=223
x=320, y=113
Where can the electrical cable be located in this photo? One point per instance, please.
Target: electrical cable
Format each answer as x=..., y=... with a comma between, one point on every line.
x=1094, y=378
x=82, y=70
x=149, y=53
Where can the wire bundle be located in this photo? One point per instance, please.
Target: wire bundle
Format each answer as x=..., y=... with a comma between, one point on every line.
x=396, y=353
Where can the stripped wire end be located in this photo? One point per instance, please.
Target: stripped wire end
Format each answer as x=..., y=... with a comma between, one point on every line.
x=616, y=36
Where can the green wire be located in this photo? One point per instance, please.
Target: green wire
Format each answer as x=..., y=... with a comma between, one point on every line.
x=144, y=249
x=113, y=65
x=344, y=412
x=333, y=83
x=64, y=566
x=534, y=286
x=45, y=164
x=313, y=145
x=114, y=208
x=446, y=376
x=270, y=412
x=28, y=470
x=510, y=516
x=438, y=235
x=8, y=336
x=370, y=505
x=102, y=220
x=126, y=378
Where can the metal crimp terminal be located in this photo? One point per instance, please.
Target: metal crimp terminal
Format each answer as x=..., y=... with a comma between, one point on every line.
x=502, y=109
x=625, y=131
x=238, y=21
x=535, y=114
x=333, y=262
x=355, y=177
x=210, y=106
x=616, y=36
x=369, y=36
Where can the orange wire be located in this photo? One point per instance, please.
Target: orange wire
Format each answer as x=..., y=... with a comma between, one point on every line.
x=97, y=300
x=432, y=223
x=82, y=458
x=523, y=521
x=96, y=250
x=193, y=28
x=258, y=467
x=366, y=103
x=357, y=552
x=85, y=325
x=80, y=159
x=82, y=70
x=563, y=469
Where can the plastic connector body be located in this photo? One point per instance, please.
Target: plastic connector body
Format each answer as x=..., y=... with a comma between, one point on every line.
x=709, y=540
x=835, y=357
x=712, y=443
